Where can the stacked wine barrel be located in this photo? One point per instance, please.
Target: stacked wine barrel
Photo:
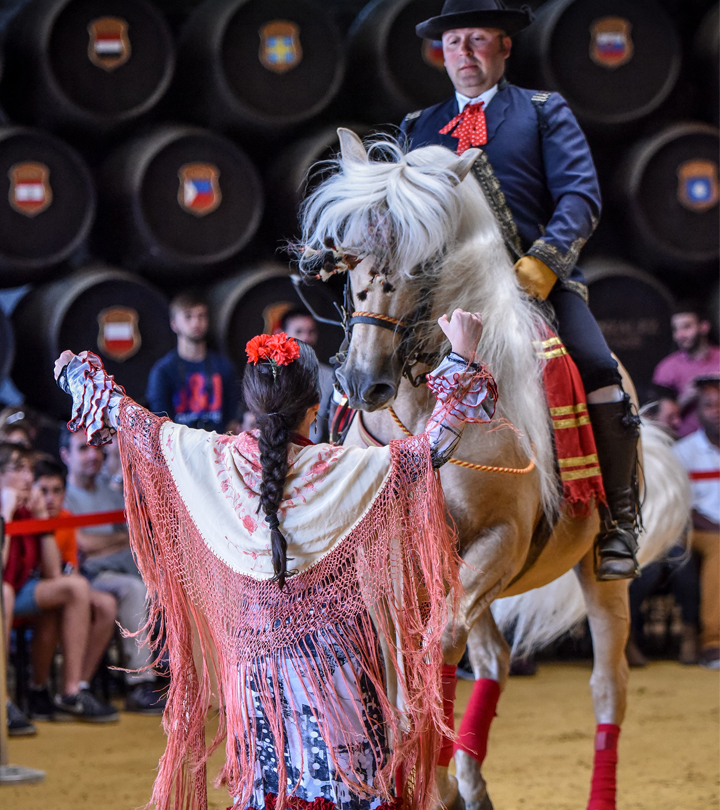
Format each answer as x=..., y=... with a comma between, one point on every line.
x=151, y=145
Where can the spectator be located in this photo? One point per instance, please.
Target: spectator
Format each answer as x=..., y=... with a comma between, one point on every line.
x=699, y=453
x=50, y=483
x=695, y=357
x=192, y=385
x=34, y=588
x=299, y=324
x=106, y=560
x=663, y=410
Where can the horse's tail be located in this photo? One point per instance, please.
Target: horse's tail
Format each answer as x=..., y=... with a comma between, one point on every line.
x=541, y=615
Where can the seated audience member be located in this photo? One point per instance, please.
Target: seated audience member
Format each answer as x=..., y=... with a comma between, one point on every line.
x=191, y=384
x=17, y=429
x=106, y=560
x=50, y=483
x=663, y=410
x=699, y=453
x=58, y=606
x=299, y=324
x=695, y=357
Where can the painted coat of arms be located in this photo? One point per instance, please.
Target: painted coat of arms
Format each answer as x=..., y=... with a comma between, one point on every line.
x=109, y=46
x=698, y=185
x=280, y=49
x=199, y=192
x=30, y=192
x=119, y=335
x=610, y=42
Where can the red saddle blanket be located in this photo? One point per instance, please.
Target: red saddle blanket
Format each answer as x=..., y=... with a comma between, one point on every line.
x=574, y=441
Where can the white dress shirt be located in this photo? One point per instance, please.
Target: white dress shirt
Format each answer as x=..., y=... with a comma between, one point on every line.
x=487, y=97
x=701, y=459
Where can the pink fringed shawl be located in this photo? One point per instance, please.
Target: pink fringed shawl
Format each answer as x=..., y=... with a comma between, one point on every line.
x=387, y=579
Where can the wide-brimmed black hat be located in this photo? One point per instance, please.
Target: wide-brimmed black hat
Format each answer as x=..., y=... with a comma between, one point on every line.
x=475, y=14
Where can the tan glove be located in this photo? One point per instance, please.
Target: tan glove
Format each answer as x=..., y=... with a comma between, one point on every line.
x=535, y=277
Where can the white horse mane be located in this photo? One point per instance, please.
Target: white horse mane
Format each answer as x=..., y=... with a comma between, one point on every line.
x=422, y=217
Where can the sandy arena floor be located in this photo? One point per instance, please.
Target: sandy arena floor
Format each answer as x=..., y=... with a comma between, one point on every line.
x=539, y=759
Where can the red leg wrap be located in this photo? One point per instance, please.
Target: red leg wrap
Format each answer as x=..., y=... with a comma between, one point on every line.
x=449, y=682
x=602, y=791
x=475, y=726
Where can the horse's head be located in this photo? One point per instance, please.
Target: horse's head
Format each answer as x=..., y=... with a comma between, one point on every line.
x=386, y=219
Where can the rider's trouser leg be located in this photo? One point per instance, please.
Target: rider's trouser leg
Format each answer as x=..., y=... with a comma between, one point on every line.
x=616, y=434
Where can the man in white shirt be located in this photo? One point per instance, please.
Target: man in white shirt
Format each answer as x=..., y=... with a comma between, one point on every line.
x=699, y=453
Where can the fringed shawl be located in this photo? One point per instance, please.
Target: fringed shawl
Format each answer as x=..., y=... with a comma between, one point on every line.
x=385, y=579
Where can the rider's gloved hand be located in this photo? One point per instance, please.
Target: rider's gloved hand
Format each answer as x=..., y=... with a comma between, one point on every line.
x=535, y=277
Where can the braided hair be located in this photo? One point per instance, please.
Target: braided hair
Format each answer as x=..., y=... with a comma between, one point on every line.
x=279, y=397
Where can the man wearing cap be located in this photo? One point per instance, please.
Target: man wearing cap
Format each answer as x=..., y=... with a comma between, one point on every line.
x=538, y=175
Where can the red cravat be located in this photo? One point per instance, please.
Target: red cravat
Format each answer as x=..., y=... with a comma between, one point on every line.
x=470, y=127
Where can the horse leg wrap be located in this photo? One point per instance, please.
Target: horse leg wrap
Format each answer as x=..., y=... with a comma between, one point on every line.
x=449, y=683
x=602, y=790
x=475, y=726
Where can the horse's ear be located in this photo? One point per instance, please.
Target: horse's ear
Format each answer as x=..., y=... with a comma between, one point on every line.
x=463, y=166
x=351, y=147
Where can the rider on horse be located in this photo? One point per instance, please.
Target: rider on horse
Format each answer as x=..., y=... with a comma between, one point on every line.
x=537, y=172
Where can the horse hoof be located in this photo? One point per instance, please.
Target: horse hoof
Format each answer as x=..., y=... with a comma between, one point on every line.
x=485, y=804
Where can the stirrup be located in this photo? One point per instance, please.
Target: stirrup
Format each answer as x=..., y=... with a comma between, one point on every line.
x=614, y=553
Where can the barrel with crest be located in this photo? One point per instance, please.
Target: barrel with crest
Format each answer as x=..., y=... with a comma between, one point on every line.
x=115, y=314
x=298, y=169
x=669, y=185
x=633, y=310
x=89, y=65
x=178, y=199
x=390, y=71
x=47, y=205
x=255, y=301
x=258, y=64
x=614, y=61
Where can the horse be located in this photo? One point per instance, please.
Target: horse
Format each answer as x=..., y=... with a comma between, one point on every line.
x=417, y=238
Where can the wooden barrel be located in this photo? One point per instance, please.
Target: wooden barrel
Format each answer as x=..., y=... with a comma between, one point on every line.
x=391, y=71
x=47, y=204
x=614, y=61
x=633, y=311
x=87, y=64
x=298, y=169
x=258, y=64
x=706, y=53
x=7, y=346
x=669, y=185
x=178, y=199
x=254, y=302
x=115, y=314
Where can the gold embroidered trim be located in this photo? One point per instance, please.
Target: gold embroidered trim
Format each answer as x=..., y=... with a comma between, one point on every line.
x=564, y=410
x=485, y=175
x=573, y=476
x=579, y=461
x=577, y=287
x=560, y=263
x=571, y=423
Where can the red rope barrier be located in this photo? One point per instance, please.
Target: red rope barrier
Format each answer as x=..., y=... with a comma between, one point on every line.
x=47, y=525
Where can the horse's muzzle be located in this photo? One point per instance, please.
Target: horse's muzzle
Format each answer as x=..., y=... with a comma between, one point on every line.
x=366, y=393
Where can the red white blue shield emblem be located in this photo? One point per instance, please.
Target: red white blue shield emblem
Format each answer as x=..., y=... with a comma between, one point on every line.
x=109, y=46
x=30, y=193
x=432, y=54
x=280, y=49
x=610, y=42
x=199, y=191
x=698, y=185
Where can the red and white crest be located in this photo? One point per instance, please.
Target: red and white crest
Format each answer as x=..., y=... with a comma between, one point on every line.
x=610, y=42
x=30, y=192
x=109, y=46
x=119, y=335
x=280, y=49
x=199, y=192
x=432, y=54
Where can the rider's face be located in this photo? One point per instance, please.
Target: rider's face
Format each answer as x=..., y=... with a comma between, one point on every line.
x=475, y=58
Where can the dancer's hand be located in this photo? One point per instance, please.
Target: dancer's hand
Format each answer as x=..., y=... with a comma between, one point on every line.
x=463, y=330
x=62, y=361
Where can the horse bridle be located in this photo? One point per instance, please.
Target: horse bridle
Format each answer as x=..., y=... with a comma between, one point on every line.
x=409, y=348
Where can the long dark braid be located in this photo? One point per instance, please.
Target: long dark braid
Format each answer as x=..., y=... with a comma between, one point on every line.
x=279, y=397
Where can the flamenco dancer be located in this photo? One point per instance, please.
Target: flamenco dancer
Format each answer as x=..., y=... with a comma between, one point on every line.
x=309, y=581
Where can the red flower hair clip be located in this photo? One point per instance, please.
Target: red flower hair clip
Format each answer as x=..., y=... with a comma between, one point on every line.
x=279, y=350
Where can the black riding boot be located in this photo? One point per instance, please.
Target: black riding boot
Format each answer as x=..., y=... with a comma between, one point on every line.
x=617, y=431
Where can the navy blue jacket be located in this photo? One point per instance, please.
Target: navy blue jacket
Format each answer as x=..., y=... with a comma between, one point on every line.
x=540, y=157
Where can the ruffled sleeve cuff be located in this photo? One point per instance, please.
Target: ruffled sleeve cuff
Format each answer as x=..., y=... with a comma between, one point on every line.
x=467, y=390
x=96, y=397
